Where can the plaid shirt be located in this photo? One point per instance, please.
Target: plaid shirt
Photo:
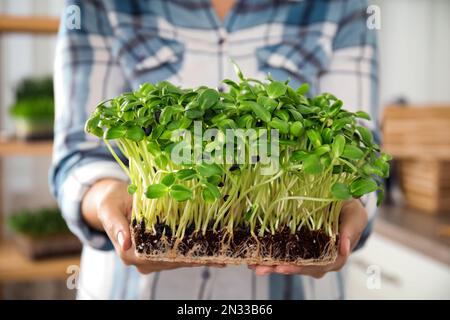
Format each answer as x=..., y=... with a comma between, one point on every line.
x=122, y=44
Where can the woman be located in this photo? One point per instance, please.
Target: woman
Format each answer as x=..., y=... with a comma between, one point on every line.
x=121, y=44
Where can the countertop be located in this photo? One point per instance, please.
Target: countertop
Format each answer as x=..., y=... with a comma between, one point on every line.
x=423, y=232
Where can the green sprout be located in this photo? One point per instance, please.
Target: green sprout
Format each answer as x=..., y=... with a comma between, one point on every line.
x=325, y=156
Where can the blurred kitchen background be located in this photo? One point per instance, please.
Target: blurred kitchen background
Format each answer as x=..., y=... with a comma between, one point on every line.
x=408, y=254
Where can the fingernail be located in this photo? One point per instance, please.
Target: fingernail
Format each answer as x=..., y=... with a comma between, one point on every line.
x=120, y=239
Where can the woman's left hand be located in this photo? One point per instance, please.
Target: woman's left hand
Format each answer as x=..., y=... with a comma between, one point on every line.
x=353, y=220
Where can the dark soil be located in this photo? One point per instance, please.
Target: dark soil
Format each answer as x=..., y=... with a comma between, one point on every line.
x=283, y=245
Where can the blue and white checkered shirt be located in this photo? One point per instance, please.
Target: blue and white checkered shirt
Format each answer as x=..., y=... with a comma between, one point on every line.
x=121, y=44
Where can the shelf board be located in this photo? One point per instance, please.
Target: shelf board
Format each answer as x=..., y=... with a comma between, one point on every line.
x=23, y=148
x=16, y=267
x=29, y=24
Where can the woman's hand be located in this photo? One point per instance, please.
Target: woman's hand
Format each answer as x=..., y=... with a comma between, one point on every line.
x=353, y=220
x=107, y=207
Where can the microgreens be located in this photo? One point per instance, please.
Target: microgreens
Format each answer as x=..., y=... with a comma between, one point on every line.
x=325, y=156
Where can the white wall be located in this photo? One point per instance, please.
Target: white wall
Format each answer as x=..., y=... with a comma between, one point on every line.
x=414, y=45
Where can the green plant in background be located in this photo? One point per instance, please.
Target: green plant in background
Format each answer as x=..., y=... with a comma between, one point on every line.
x=34, y=99
x=34, y=88
x=325, y=156
x=39, y=108
x=33, y=111
x=43, y=222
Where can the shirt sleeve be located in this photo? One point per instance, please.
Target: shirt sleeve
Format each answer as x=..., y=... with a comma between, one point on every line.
x=353, y=75
x=85, y=74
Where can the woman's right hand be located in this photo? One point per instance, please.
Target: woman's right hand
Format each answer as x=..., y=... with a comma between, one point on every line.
x=107, y=207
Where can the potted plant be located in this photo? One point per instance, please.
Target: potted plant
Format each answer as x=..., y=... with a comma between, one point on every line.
x=33, y=110
x=43, y=233
x=196, y=198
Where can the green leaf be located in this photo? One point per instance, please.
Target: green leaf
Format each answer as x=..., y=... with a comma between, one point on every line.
x=156, y=191
x=322, y=149
x=135, y=133
x=156, y=132
x=352, y=153
x=304, y=88
x=369, y=169
x=312, y=164
x=208, y=170
x=280, y=125
x=246, y=121
x=276, y=89
x=214, y=190
x=380, y=197
x=180, y=192
x=340, y=123
x=161, y=161
x=366, y=135
x=185, y=123
x=227, y=124
x=114, y=133
x=231, y=83
x=208, y=98
x=383, y=168
x=166, y=135
x=237, y=70
x=194, y=113
x=153, y=148
x=335, y=107
x=385, y=157
x=315, y=137
x=298, y=155
x=296, y=129
x=207, y=196
x=283, y=115
x=215, y=180
x=169, y=179
x=92, y=125
x=340, y=191
x=186, y=174
x=363, y=186
x=166, y=115
x=327, y=135
x=261, y=112
x=362, y=115
x=338, y=146
x=96, y=131
x=296, y=114
x=131, y=189
x=267, y=103
x=305, y=109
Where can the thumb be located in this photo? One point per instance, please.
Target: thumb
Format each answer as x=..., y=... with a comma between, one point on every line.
x=353, y=220
x=116, y=226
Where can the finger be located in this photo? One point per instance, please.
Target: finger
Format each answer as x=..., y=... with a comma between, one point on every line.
x=288, y=269
x=116, y=226
x=263, y=270
x=353, y=220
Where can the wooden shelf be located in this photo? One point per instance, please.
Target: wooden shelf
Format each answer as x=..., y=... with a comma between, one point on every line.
x=16, y=267
x=22, y=148
x=29, y=24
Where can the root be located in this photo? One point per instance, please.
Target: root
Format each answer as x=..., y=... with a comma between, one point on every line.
x=249, y=251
